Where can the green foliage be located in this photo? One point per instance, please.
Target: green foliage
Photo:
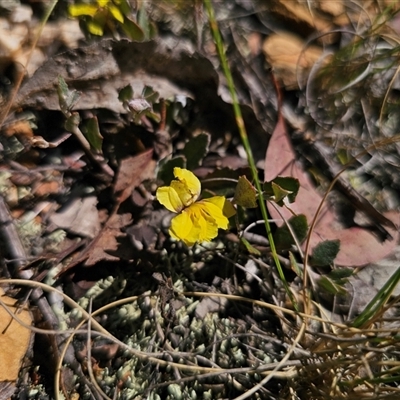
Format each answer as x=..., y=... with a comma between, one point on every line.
x=245, y=193
x=67, y=98
x=325, y=252
x=142, y=106
x=334, y=282
x=249, y=247
x=196, y=149
x=283, y=237
x=376, y=305
x=281, y=188
x=92, y=133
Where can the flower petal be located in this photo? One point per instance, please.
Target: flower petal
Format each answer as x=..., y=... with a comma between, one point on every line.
x=169, y=198
x=95, y=28
x=116, y=13
x=207, y=223
x=190, y=181
x=183, y=228
x=102, y=3
x=213, y=208
x=76, y=10
x=187, y=198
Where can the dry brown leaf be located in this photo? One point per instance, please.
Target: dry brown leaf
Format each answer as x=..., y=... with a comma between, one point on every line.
x=132, y=172
x=290, y=57
x=107, y=240
x=14, y=340
x=334, y=8
x=299, y=11
x=79, y=217
x=357, y=246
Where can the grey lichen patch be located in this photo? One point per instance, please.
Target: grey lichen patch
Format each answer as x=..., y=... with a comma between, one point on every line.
x=175, y=334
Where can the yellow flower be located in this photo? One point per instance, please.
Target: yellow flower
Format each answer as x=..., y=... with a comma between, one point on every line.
x=196, y=221
x=100, y=14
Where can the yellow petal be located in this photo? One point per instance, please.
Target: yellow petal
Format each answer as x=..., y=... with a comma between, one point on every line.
x=183, y=228
x=116, y=13
x=76, y=10
x=186, y=198
x=102, y=3
x=94, y=28
x=207, y=224
x=213, y=208
x=190, y=182
x=169, y=198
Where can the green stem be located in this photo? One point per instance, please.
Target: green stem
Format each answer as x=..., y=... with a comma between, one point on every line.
x=245, y=140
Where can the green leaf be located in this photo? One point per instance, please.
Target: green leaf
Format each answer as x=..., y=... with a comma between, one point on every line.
x=251, y=249
x=331, y=286
x=245, y=193
x=126, y=93
x=283, y=237
x=375, y=305
x=133, y=30
x=295, y=266
x=195, y=150
x=325, y=252
x=143, y=22
x=166, y=169
x=280, y=188
x=67, y=98
x=150, y=94
x=341, y=273
x=92, y=134
x=279, y=193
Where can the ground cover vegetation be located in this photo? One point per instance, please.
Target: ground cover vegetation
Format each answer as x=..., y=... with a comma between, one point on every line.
x=199, y=199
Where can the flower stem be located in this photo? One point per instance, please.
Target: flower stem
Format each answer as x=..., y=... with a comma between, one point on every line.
x=243, y=135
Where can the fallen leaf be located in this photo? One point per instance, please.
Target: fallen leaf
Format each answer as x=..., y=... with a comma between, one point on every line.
x=358, y=246
x=107, y=241
x=290, y=57
x=132, y=172
x=14, y=340
x=80, y=216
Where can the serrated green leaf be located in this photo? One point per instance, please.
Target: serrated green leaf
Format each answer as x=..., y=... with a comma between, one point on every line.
x=280, y=188
x=67, y=98
x=93, y=135
x=166, y=169
x=283, y=237
x=245, y=193
x=279, y=192
x=341, y=273
x=195, y=150
x=150, y=94
x=126, y=93
x=325, y=252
